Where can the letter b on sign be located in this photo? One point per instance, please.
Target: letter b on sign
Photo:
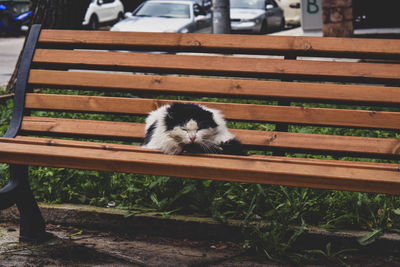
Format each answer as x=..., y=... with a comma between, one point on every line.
x=312, y=6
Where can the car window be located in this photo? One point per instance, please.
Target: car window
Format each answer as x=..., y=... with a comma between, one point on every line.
x=108, y=1
x=257, y=4
x=168, y=10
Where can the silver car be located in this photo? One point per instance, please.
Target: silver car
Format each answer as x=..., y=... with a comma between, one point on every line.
x=256, y=16
x=166, y=16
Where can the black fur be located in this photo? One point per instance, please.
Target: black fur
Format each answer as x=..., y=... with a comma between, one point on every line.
x=149, y=133
x=181, y=113
x=232, y=147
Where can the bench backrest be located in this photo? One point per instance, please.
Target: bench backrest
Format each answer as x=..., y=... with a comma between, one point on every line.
x=298, y=94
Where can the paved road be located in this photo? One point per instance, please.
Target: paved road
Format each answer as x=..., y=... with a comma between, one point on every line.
x=10, y=47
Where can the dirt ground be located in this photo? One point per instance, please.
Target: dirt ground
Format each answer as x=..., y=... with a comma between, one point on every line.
x=78, y=247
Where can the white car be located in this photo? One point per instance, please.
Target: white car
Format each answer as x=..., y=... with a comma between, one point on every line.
x=102, y=12
x=166, y=16
x=256, y=16
x=291, y=10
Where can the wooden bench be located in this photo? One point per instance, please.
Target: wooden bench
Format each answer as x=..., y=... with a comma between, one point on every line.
x=300, y=94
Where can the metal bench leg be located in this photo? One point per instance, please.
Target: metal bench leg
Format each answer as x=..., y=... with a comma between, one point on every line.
x=32, y=225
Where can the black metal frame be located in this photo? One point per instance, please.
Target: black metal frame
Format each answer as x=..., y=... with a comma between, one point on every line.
x=17, y=191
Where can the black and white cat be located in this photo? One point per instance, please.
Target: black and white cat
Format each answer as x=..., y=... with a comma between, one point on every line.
x=189, y=127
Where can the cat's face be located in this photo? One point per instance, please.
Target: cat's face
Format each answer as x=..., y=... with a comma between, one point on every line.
x=192, y=132
x=190, y=124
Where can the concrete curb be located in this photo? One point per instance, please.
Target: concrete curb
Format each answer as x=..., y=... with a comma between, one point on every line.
x=191, y=227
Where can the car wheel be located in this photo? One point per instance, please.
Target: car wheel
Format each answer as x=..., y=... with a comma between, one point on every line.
x=93, y=23
x=264, y=27
x=120, y=16
x=283, y=24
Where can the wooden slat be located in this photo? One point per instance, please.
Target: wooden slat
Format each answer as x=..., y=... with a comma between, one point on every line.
x=246, y=112
x=217, y=65
x=235, y=169
x=326, y=144
x=133, y=148
x=216, y=87
x=225, y=43
x=87, y=128
x=6, y=97
x=259, y=139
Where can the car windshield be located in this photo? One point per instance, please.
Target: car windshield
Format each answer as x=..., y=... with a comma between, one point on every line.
x=166, y=10
x=258, y=4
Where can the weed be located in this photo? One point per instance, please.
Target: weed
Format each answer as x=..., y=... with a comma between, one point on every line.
x=329, y=255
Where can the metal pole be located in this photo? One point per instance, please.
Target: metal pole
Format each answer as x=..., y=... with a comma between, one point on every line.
x=221, y=16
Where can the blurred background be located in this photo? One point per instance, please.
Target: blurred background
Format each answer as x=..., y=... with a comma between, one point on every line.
x=245, y=16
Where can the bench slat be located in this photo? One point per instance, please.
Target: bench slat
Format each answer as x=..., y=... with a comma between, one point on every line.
x=214, y=65
x=124, y=147
x=256, y=89
x=235, y=169
x=311, y=46
x=345, y=145
x=245, y=112
x=86, y=128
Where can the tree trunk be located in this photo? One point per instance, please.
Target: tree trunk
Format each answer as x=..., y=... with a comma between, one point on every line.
x=54, y=14
x=337, y=18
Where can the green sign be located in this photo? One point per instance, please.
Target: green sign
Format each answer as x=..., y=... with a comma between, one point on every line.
x=312, y=6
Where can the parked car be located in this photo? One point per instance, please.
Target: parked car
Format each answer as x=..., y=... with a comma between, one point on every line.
x=166, y=16
x=292, y=11
x=14, y=16
x=103, y=12
x=256, y=16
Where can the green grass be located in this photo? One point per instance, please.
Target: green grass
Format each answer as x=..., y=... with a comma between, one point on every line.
x=289, y=211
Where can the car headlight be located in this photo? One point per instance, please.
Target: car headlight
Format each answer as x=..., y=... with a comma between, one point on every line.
x=256, y=21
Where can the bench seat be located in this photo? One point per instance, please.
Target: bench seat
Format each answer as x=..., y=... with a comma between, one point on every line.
x=314, y=173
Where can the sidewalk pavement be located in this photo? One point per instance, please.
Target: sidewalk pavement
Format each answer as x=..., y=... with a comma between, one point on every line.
x=10, y=48
x=298, y=31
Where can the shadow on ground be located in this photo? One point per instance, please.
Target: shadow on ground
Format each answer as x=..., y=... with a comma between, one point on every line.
x=75, y=247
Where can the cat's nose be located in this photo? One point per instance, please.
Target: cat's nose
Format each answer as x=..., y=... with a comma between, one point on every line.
x=192, y=138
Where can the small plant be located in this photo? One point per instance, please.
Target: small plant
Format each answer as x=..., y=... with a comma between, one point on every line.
x=5, y=117
x=330, y=255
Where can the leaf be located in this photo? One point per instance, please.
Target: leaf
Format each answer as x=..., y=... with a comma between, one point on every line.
x=329, y=248
x=396, y=211
x=207, y=183
x=154, y=198
x=129, y=214
x=370, y=238
x=76, y=234
x=188, y=188
x=82, y=198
